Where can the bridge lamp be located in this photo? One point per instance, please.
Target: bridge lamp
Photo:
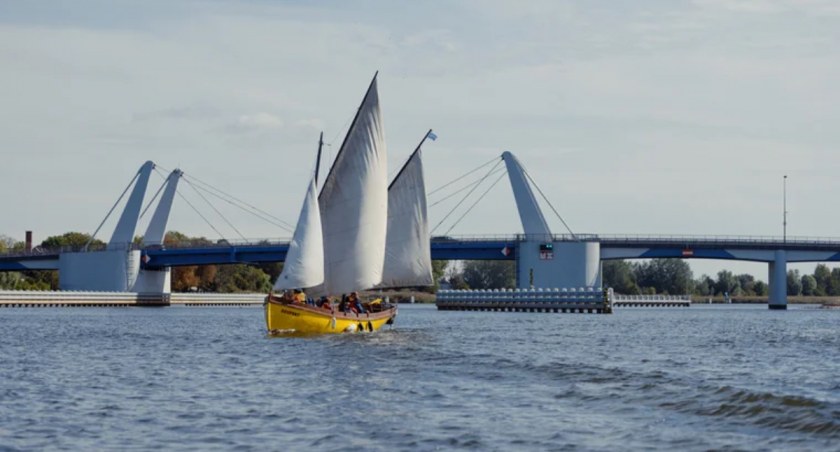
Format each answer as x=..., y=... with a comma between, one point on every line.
x=784, y=209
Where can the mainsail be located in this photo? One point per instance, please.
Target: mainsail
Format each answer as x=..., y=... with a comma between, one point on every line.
x=354, y=204
x=304, y=265
x=408, y=260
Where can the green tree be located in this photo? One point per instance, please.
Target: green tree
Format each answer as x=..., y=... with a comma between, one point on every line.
x=761, y=288
x=6, y=243
x=241, y=278
x=704, y=286
x=834, y=282
x=438, y=270
x=809, y=285
x=75, y=240
x=456, y=280
x=272, y=269
x=620, y=276
x=489, y=274
x=10, y=280
x=726, y=283
x=669, y=276
x=173, y=238
x=822, y=275
x=794, y=283
x=746, y=283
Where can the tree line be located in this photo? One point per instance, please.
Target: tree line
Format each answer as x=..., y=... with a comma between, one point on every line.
x=655, y=276
x=204, y=278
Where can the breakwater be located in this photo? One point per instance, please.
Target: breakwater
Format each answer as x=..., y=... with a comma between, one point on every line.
x=584, y=300
x=69, y=299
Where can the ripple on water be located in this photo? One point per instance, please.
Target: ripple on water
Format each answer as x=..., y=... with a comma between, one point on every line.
x=210, y=378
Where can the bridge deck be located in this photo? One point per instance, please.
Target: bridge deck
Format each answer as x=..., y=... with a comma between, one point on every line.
x=453, y=248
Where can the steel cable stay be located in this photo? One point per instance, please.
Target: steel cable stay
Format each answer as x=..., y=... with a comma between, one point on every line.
x=534, y=183
x=464, y=188
x=467, y=195
x=200, y=215
x=240, y=207
x=157, y=193
x=239, y=203
x=111, y=211
x=461, y=177
x=476, y=202
x=216, y=210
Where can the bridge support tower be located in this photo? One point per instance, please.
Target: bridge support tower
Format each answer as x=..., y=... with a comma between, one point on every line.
x=540, y=261
x=117, y=268
x=778, y=281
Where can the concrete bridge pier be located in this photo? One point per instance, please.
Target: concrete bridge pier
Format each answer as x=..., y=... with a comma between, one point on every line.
x=778, y=281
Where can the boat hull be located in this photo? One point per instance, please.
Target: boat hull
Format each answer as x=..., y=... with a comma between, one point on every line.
x=285, y=318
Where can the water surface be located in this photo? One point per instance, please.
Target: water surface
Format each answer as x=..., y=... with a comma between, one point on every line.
x=740, y=377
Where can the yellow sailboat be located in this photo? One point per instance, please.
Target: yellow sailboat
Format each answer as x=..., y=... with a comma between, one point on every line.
x=359, y=233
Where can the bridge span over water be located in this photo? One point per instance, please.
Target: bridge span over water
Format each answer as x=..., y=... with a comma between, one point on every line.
x=488, y=247
x=543, y=259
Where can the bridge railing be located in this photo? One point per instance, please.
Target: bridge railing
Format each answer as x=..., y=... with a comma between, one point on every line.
x=204, y=243
x=740, y=239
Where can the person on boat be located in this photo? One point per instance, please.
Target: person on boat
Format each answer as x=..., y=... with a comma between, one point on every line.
x=355, y=304
x=299, y=297
x=288, y=297
x=324, y=303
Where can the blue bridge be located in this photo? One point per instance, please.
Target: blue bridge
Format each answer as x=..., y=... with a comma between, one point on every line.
x=543, y=259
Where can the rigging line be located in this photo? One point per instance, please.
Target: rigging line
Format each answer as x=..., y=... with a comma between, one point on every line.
x=476, y=202
x=467, y=195
x=461, y=177
x=267, y=220
x=112, y=209
x=549, y=204
x=257, y=209
x=216, y=210
x=463, y=188
x=199, y=214
x=156, y=194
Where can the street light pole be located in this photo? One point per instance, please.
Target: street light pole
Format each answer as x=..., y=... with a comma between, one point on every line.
x=784, y=209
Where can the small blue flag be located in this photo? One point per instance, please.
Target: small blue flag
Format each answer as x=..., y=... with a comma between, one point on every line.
x=432, y=136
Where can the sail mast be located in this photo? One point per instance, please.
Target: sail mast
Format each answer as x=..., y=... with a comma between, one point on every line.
x=352, y=124
x=409, y=158
x=318, y=160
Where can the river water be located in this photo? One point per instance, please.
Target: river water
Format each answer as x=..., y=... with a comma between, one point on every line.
x=717, y=377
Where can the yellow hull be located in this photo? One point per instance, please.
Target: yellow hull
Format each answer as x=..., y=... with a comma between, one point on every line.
x=281, y=318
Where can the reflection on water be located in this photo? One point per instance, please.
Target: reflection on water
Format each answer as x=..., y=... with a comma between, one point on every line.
x=184, y=378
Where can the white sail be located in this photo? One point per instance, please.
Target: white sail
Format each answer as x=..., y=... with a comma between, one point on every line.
x=354, y=204
x=304, y=265
x=408, y=260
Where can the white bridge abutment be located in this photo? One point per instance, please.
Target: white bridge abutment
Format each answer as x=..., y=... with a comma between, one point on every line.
x=550, y=264
x=777, y=276
x=117, y=269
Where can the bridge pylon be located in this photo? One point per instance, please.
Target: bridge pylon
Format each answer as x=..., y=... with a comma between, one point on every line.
x=117, y=268
x=777, y=278
x=540, y=260
x=158, y=281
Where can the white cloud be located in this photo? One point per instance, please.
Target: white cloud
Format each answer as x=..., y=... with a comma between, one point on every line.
x=260, y=121
x=680, y=116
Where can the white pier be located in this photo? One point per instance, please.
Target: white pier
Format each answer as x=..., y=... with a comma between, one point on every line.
x=69, y=299
x=651, y=301
x=583, y=300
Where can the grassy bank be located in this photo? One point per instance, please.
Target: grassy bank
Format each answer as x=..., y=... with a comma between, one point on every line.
x=402, y=296
x=828, y=301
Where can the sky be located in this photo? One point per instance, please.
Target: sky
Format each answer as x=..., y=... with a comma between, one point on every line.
x=646, y=117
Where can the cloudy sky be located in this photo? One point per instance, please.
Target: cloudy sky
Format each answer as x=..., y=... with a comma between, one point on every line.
x=645, y=117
